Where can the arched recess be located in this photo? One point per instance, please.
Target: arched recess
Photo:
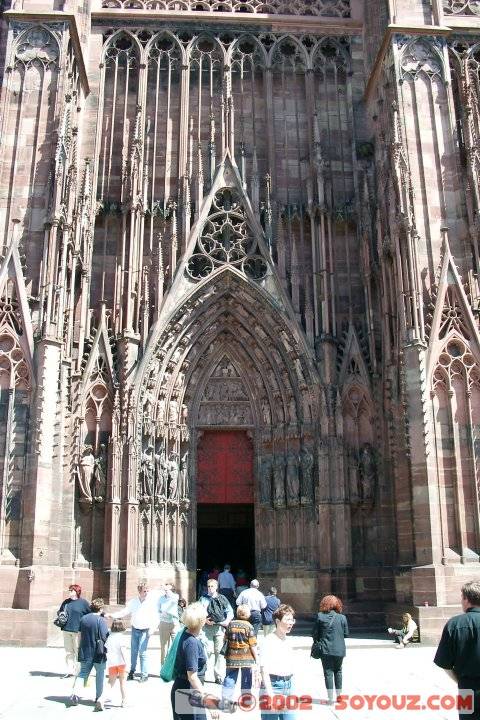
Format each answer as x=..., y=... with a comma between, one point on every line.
x=16, y=385
x=272, y=390
x=453, y=374
x=96, y=452
x=28, y=129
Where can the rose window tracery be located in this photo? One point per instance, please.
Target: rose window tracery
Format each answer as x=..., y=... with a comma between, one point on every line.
x=226, y=238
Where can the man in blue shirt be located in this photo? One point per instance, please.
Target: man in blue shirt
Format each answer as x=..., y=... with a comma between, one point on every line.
x=273, y=603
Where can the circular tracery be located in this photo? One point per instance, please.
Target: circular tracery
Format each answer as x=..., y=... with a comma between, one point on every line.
x=226, y=238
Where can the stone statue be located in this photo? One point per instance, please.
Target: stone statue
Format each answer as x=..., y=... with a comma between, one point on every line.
x=173, y=412
x=266, y=480
x=293, y=483
x=147, y=471
x=184, y=489
x=306, y=465
x=368, y=473
x=173, y=472
x=100, y=475
x=149, y=401
x=161, y=474
x=279, y=480
x=85, y=473
x=354, y=477
x=161, y=410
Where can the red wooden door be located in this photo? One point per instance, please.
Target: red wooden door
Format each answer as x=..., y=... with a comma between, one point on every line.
x=225, y=467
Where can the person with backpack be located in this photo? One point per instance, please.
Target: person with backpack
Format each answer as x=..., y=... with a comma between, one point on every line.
x=69, y=614
x=329, y=633
x=219, y=614
x=273, y=603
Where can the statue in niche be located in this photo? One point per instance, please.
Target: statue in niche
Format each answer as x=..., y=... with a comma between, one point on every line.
x=100, y=475
x=148, y=405
x=161, y=473
x=279, y=480
x=173, y=473
x=147, y=473
x=85, y=473
x=293, y=482
x=184, y=415
x=173, y=412
x=306, y=466
x=184, y=489
x=266, y=480
x=161, y=410
x=354, y=477
x=368, y=473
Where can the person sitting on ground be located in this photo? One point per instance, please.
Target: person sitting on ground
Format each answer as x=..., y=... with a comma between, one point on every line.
x=406, y=633
x=240, y=652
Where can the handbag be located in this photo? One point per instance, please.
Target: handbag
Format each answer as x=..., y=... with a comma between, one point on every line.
x=317, y=651
x=167, y=672
x=61, y=619
x=100, y=654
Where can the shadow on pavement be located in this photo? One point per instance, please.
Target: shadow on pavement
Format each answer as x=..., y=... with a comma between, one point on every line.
x=43, y=673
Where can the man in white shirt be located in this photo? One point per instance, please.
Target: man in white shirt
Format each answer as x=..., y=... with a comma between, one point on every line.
x=144, y=618
x=169, y=623
x=219, y=615
x=256, y=602
x=227, y=586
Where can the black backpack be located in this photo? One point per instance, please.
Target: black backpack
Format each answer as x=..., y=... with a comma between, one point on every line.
x=217, y=607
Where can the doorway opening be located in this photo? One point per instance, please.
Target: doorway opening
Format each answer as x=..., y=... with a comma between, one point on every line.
x=225, y=534
x=225, y=509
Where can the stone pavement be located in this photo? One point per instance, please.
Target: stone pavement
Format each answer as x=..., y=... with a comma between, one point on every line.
x=32, y=687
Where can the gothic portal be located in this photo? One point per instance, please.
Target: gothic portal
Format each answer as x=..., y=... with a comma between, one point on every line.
x=239, y=299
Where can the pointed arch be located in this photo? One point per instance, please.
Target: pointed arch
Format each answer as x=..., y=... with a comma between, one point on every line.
x=453, y=368
x=16, y=381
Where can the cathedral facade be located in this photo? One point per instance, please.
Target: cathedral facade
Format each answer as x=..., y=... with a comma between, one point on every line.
x=239, y=299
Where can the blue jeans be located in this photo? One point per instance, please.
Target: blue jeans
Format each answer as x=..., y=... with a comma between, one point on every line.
x=85, y=670
x=231, y=680
x=279, y=687
x=139, y=645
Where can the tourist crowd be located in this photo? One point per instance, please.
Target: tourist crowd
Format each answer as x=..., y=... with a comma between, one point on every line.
x=220, y=631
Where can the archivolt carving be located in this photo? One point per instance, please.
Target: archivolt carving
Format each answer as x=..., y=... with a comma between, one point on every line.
x=242, y=365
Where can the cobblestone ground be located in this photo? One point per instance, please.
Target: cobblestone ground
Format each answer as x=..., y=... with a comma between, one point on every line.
x=32, y=686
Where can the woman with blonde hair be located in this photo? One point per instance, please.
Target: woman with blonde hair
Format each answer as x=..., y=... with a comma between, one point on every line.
x=406, y=633
x=329, y=632
x=190, y=663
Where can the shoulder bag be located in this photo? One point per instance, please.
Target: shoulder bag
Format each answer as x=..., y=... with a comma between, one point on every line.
x=317, y=651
